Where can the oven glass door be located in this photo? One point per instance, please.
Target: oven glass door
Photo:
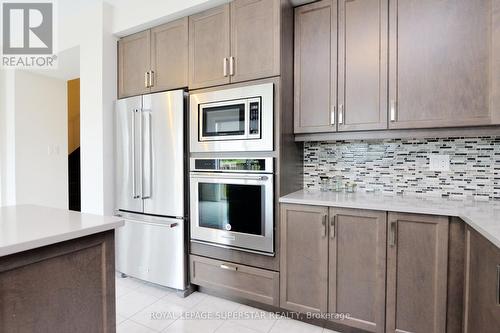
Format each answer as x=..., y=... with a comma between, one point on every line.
x=235, y=210
x=223, y=121
x=231, y=207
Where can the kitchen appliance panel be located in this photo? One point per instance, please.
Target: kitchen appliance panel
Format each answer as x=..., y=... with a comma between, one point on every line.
x=163, y=147
x=152, y=249
x=231, y=208
x=128, y=164
x=257, y=119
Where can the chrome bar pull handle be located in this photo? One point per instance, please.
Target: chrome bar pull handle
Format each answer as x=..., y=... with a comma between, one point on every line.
x=147, y=158
x=151, y=78
x=231, y=66
x=333, y=226
x=146, y=80
x=224, y=67
x=498, y=285
x=134, y=180
x=325, y=225
x=332, y=115
x=229, y=267
x=393, y=112
x=341, y=114
x=392, y=235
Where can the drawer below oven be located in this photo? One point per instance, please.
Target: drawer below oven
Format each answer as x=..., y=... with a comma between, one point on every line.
x=251, y=283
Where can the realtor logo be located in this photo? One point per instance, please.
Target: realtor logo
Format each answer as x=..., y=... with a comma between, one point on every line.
x=28, y=33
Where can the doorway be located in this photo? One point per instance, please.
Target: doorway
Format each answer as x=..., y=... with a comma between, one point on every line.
x=74, y=182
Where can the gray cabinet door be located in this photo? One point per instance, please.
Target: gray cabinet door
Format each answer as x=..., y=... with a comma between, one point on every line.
x=255, y=39
x=363, y=76
x=417, y=268
x=209, y=48
x=482, y=285
x=315, y=67
x=133, y=64
x=442, y=62
x=169, y=55
x=357, y=268
x=304, y=258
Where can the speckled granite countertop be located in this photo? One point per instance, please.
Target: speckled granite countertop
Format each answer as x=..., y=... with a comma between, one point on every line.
x=484, y=217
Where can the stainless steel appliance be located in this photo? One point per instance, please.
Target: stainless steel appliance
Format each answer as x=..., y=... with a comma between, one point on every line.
x=236, y=119
x=232, y=203
x=149, y=187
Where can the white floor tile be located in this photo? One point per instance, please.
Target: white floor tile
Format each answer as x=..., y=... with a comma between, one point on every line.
x=194, y=326
x=119, y=319
x=230, y=327
x=285, y=325
x=130, y=326
x=133, y=302
x=154, y=290
x=259, y=320
x=128, y=282
x=120, y=290
x=159, y=315
x=329, y=331
x=187, y=302
x=214, y=304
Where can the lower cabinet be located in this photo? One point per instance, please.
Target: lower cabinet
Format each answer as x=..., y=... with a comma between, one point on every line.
x=357, y=266
x=482, y=285
x=417, y=270
x=235, y=280
x=304, y=258
x=387, y=271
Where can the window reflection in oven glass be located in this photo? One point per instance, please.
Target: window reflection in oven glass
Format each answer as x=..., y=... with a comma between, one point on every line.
x=231, y=207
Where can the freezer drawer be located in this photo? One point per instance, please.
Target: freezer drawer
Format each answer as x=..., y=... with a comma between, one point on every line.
x=152, y=250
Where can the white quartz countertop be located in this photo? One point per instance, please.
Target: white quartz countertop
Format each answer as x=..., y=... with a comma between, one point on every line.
x=484, y=217
x=27, y=227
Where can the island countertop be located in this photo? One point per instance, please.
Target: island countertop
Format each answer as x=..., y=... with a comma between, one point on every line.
x=484, y=217
x=27, y=227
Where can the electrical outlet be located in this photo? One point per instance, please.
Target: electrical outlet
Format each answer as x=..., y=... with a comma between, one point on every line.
x=439, y=162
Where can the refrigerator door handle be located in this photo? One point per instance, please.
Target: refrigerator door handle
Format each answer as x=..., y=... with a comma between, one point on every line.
x=147, y=157
x=134, y=180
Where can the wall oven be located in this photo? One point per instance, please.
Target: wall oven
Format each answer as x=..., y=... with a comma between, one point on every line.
x=232, y=203
x=236, y=119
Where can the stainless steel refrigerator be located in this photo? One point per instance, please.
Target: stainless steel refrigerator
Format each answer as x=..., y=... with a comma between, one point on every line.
x=149, y=187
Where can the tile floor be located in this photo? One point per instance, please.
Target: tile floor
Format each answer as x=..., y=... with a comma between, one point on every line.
x=146, y=308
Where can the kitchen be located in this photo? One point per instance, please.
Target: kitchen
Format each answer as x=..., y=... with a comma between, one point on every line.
x=276, y=165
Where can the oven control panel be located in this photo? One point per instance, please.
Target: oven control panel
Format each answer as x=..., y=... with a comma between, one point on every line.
x=260, y=165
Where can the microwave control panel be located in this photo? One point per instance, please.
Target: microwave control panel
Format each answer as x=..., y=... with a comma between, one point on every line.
x=254, y=117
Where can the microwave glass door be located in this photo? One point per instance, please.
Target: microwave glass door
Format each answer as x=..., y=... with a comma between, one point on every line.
x=231, y=207
x=223, y=120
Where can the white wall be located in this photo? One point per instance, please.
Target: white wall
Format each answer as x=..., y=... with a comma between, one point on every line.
x=7, y=139
x=132, y=16
x=41, y=144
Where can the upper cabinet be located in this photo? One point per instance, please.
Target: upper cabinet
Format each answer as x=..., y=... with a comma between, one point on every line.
x=169, y=56
x=153, y=60
x=362, y=63
x=236, y=42
x=444, y=62
x=315, y=67
x=341, y=47
x=209, y=48
x=134, y=64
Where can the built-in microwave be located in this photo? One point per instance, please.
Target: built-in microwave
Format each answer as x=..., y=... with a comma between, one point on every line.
x=235, y=119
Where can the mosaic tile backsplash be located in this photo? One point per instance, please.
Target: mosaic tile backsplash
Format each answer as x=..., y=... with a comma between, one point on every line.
x=402, y=166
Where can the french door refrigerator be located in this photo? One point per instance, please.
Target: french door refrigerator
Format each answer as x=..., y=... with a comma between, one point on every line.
x=149, y=187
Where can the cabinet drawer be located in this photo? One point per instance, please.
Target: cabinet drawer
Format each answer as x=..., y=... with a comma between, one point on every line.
x=238, y=280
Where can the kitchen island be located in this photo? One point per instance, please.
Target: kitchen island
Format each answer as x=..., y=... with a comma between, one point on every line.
x=56, y=270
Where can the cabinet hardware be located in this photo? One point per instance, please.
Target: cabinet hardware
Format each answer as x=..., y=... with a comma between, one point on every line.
x=392, y=235
x=333, y=226
x=498, y=284
x=224, y=68
x=325, y=225
x=332, y=114
x=231, y=66
x=394, y=115
x=151, y=78
x=146, y=80
x=341, y=114
x=229, y=267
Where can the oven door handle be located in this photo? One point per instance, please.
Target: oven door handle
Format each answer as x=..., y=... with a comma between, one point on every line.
x=219, y=176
